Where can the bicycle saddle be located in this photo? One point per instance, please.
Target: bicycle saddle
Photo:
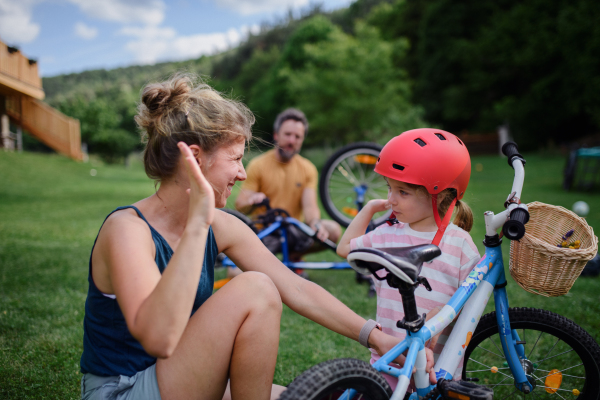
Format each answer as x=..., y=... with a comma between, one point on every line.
x=404, y=262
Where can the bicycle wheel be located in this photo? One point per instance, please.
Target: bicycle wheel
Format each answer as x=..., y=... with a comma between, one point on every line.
x=329, y=380
x=563, y=359
x=348, y=181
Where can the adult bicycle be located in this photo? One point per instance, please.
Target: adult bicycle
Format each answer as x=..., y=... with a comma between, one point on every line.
x=512, y=352
x=346, y=183
x=276, y=223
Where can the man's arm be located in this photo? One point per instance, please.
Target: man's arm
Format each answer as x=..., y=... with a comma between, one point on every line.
x=250, y=193
x=247, y=198
x=312, y=214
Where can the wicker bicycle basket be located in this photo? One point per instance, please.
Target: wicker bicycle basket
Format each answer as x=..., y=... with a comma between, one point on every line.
x=537, y=263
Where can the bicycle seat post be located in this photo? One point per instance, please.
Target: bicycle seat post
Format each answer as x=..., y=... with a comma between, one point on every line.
x=412, y=321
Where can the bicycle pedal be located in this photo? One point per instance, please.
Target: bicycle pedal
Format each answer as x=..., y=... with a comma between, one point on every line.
x=463, y=390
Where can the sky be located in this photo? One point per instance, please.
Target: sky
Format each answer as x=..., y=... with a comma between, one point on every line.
x=67, y=36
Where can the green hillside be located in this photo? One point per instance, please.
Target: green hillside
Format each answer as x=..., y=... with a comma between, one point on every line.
x=379, y=67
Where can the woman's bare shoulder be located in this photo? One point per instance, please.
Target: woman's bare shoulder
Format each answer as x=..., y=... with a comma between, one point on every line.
x=124, y=224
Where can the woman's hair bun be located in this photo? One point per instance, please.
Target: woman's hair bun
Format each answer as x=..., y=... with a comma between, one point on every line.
x=160, y=97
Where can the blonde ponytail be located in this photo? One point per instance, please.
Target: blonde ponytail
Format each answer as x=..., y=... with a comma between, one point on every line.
x=464, y=215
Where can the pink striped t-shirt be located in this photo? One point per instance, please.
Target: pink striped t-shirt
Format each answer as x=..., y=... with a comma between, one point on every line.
x=445, y=274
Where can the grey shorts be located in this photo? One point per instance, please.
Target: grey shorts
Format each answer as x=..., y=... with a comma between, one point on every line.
x=141, y=386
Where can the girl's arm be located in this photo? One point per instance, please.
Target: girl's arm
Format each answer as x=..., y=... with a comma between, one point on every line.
x=359, y=224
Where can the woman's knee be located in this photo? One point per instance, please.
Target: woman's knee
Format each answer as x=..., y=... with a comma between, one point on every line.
x=260, y=289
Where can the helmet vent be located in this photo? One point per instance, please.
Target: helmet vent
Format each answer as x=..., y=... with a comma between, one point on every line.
x=420, y=142
x=459, y=141
x=440, y=136
x=396, y=166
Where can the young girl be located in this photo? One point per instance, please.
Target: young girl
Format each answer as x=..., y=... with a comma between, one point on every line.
x=427, y=172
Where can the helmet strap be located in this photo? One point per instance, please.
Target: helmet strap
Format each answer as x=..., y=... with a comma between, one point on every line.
x=442, y=225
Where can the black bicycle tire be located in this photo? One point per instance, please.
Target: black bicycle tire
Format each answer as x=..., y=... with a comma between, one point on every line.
x=242, y=217
x=553, y=324
x=331, y=163
x=335, y=375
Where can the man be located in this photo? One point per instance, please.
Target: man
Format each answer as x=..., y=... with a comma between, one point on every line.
x=289, y=181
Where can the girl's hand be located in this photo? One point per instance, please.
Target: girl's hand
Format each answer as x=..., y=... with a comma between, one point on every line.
x=202, y=196
x=378, y=205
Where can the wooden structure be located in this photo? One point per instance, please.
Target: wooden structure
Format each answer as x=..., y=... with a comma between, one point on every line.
x=21, y=93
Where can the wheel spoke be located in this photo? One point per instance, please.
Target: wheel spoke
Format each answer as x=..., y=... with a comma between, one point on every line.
x=489, y=351
x=549, y=351
x=510, y=394
x=570, y=376
x=474, y=360
x=536, y=342
x=560, y=354
x=349, y=171
x=502, y=384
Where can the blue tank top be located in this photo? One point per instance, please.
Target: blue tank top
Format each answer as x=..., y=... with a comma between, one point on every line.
x=108, y=347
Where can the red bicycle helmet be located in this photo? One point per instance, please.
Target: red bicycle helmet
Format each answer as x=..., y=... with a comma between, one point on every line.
x=432, y=158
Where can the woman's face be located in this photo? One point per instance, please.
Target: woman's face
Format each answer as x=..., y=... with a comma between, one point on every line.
x=223, y=168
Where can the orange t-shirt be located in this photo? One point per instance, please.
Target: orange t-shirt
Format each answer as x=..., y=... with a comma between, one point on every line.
x=283, y=183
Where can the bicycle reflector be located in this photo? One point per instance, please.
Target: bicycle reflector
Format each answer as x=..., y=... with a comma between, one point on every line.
x=462, y=390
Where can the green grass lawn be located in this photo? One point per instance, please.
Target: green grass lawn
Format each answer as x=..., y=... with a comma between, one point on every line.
x=51, y=209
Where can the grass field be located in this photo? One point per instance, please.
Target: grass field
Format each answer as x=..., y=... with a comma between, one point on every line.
x=51, y=209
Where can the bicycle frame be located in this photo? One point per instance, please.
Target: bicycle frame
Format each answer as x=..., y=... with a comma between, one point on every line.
x=281, y=224
x=470, y=298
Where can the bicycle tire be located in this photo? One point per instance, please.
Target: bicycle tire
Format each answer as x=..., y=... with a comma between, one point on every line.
x=338, y=181
x=329, y=379
x=560, y=343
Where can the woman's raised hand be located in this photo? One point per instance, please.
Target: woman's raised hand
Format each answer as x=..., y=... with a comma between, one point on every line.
x=202, y=197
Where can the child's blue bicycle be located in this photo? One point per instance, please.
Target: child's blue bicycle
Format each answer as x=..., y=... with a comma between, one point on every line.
x=514, y=352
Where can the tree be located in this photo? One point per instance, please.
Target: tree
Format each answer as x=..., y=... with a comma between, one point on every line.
x=350, y=89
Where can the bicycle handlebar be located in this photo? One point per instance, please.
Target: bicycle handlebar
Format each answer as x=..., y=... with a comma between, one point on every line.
x=514, y=228
x=510, y=150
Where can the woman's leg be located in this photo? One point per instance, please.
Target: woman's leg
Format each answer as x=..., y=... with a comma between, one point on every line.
x=235, y=335
x=276, y=391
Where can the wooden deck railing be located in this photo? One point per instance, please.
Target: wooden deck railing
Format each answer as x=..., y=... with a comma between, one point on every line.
x=49, y=125
x=20, y=74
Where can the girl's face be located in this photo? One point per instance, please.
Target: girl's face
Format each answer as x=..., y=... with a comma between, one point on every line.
x=411, y=206
x=223, y=168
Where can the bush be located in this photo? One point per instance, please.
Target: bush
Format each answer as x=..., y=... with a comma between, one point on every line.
x=113, y=145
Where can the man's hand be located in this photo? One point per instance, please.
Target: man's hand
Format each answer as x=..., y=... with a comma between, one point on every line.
x=257, y=197
x=322, y=233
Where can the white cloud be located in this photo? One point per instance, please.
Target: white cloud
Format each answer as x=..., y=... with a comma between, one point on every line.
x=152, y=43
x=16, y=26
x=248, y=7
x=84, y=31
x=124, y=11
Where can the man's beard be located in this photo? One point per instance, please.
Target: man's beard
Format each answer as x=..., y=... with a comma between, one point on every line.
x=286, y=155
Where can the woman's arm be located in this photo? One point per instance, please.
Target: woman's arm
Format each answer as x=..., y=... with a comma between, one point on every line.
x=359, y=225
x=306, y=298
x=157, y=307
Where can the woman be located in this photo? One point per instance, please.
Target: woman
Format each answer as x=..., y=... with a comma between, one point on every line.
x=139, y=339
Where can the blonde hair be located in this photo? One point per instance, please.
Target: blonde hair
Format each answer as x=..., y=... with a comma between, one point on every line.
x=464, y=215
x=185, y=109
